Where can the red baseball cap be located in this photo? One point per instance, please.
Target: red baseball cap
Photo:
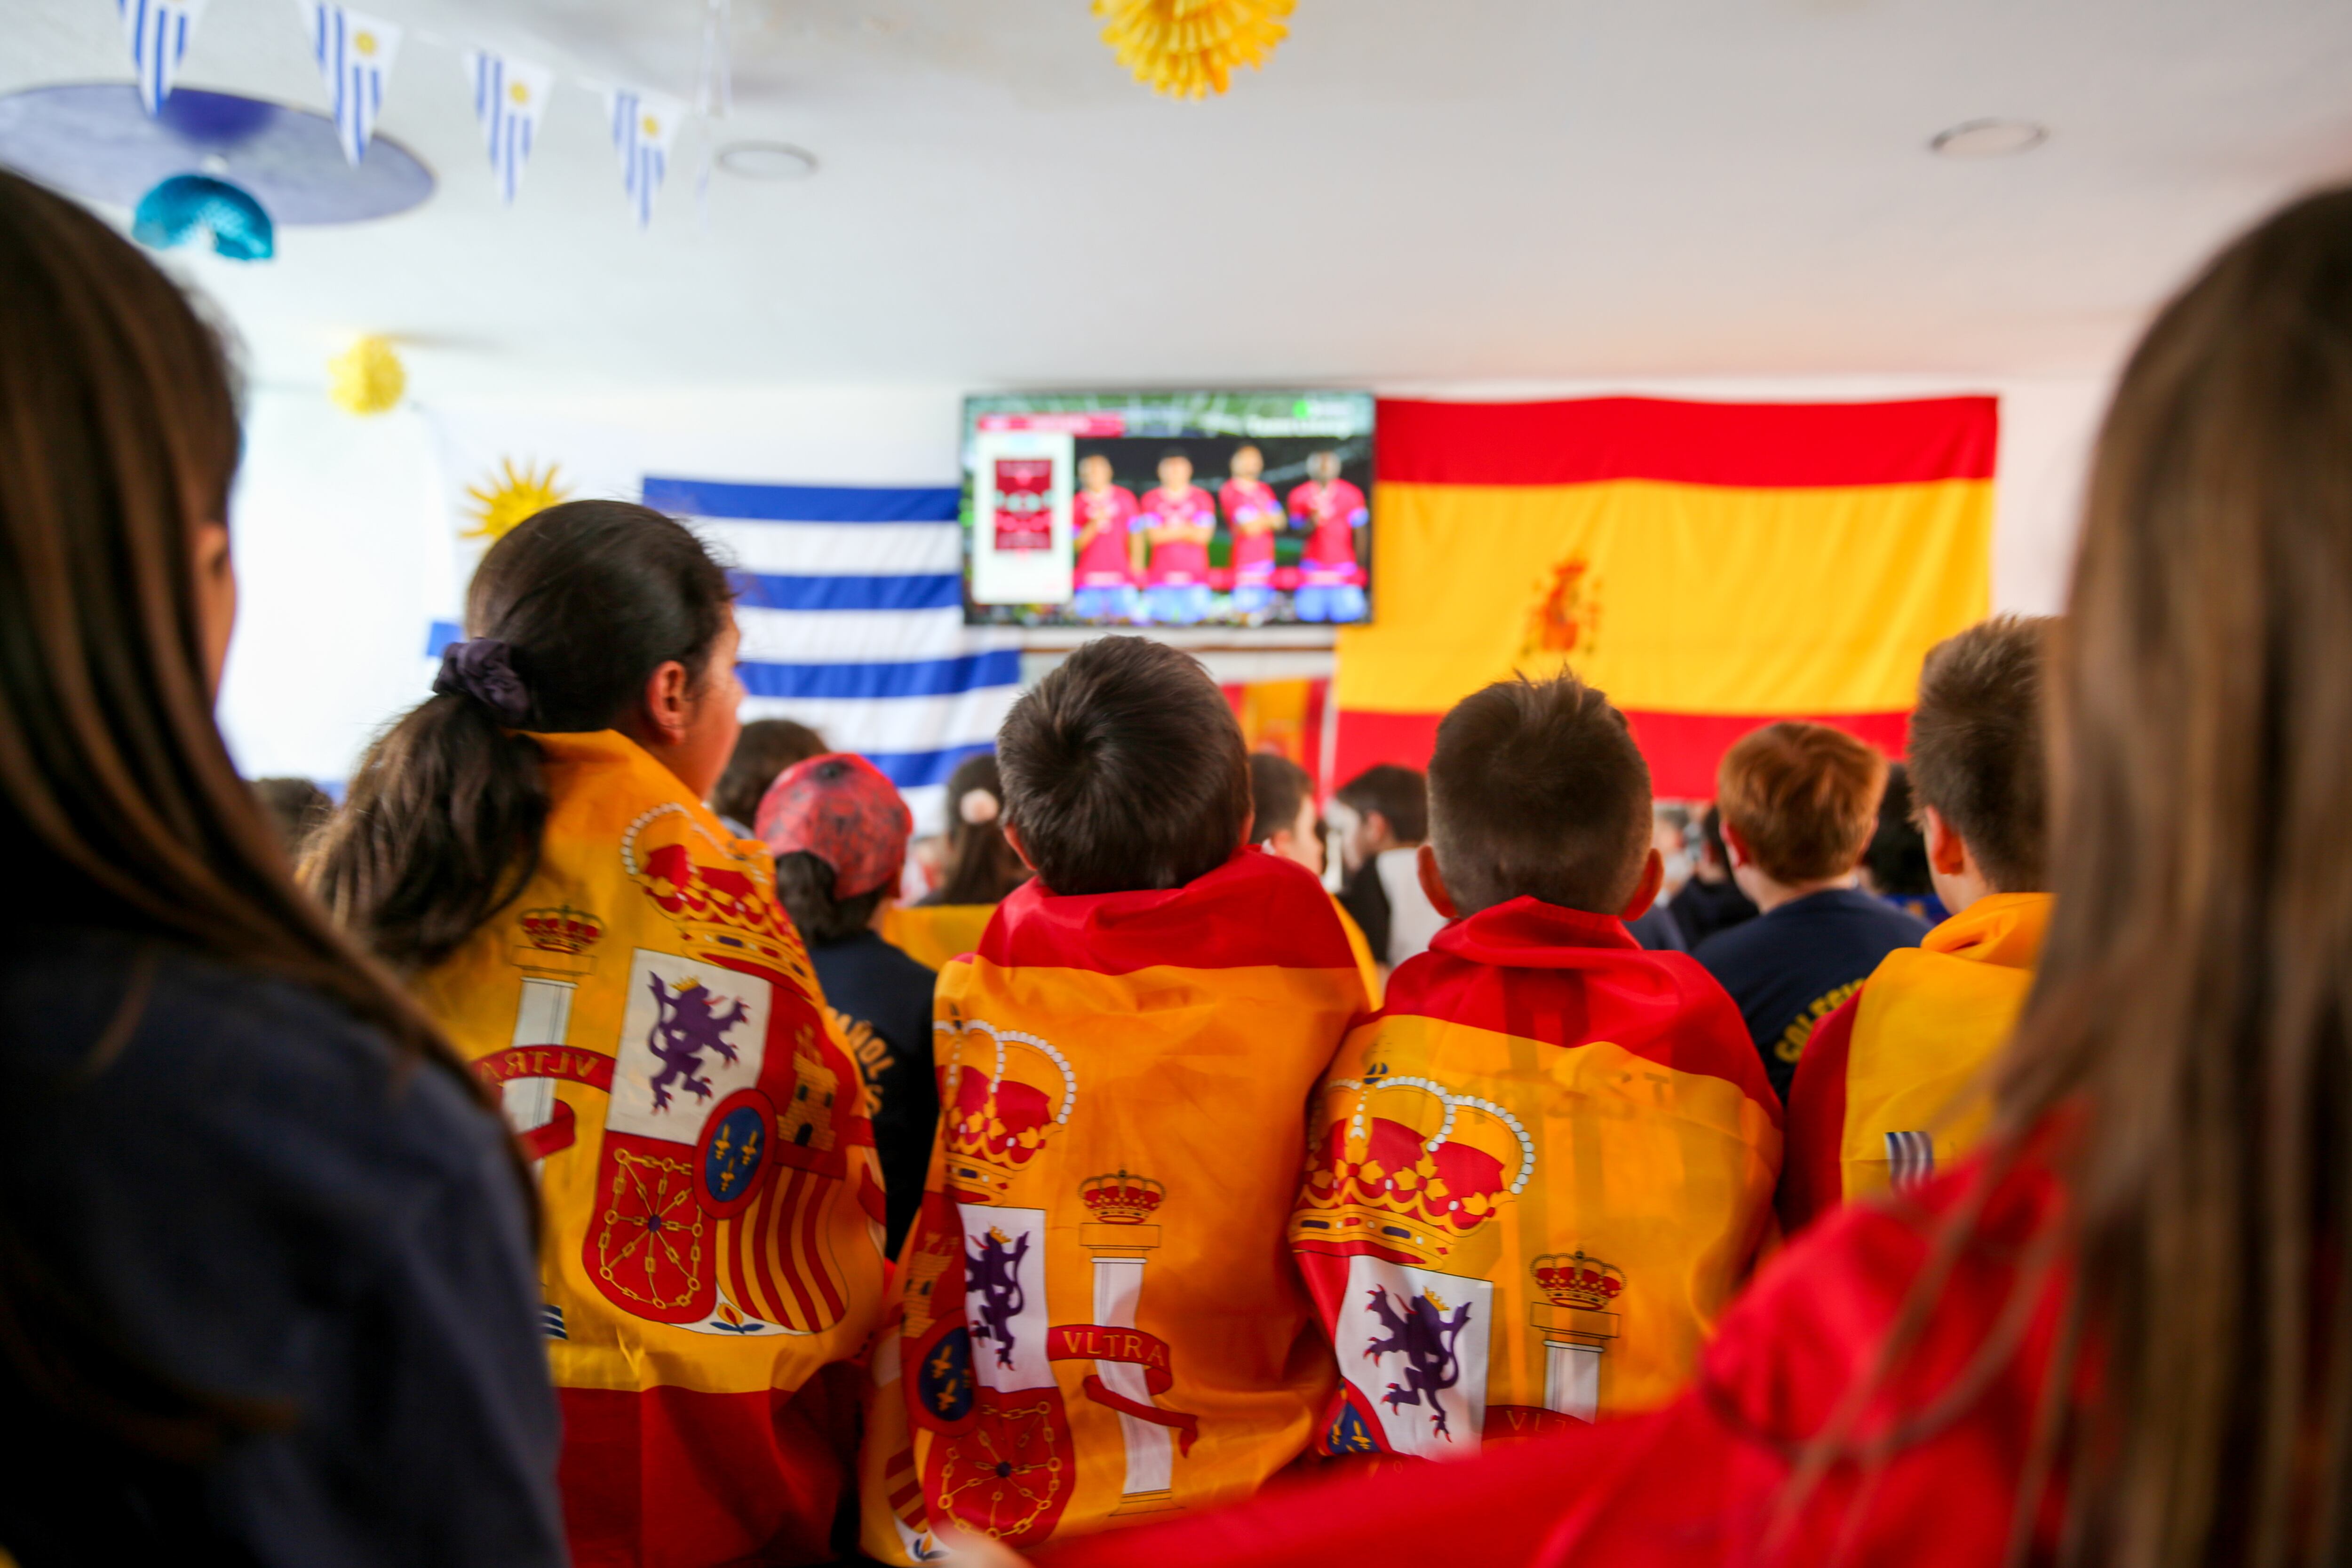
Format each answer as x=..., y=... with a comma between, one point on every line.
x=840, y=808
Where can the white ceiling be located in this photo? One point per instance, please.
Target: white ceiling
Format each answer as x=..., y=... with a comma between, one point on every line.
x=1411, y=191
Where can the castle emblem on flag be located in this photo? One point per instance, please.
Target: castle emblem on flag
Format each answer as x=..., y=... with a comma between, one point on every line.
x=354, y=54
x=1003, y=1099
x=510, y=96
x=644, y=126
x=158, y=33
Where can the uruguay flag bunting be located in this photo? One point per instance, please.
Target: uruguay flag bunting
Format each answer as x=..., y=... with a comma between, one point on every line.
x=354, y=54
x=510, y=96
x=644, y=126
x=158, y=32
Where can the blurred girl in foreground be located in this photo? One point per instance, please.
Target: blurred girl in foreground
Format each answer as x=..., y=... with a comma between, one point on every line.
x=2123, y=1336
x=265, y=1291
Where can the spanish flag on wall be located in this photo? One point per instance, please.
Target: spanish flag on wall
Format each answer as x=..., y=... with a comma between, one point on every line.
x=1712, y=566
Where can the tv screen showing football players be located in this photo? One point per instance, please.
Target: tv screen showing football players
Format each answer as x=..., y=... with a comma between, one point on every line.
x=1227, y=509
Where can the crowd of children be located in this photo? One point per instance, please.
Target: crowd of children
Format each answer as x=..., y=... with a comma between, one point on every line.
x=1133, y=1170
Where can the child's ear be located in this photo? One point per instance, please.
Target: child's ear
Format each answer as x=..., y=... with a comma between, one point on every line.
x=1946, y=851
x=1013, y=837
x=1433, y=884
x=1645, y=891
x=1249, y=826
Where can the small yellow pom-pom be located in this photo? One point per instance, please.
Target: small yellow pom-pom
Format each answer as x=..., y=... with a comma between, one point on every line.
x=1189, y=48
x=367, y=378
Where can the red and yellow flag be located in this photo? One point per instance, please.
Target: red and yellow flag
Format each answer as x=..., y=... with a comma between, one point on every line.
x=931, y=934
x=1536, y=1179
x=1095, y=1319
x=712, y=1208
x=1712, y=566
x=1895, y=1091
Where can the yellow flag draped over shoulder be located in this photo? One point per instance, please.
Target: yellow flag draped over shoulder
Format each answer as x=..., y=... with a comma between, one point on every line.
x=712, y=1207
x=1536, y=1177
x=931, y=934
x=1095, y=1320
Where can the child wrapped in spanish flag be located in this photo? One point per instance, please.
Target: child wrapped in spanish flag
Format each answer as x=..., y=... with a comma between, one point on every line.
x=1538, y=1175
x=1888, y=1090
x=1096, y=1322
x=530, y=846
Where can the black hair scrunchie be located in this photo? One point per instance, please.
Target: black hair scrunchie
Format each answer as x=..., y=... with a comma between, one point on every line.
x=483, y=669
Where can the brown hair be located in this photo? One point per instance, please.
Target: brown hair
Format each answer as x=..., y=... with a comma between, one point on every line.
x=1278, y=787
x=1124, y=769
x=1803, y=796
x=1537, y=789
x=1399, y=794
x=118, y=800
x=982, y=867
x=441, y=827
x=765, y=749
x=1975, y=749
x=2195, y=992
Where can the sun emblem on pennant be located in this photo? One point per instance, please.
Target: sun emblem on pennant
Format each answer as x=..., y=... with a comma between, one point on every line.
x=506, y=498
x=1566, y=613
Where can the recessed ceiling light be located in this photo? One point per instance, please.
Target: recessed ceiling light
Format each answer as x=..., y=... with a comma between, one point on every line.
x=770, y=160
x=1990, y=139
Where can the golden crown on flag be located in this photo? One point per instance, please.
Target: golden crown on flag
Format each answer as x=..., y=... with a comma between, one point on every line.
x=562, y=929
x=1572, y=1279
x=1121, y=1199
x=723, y=909
x=1410, y=1169
x=1004, y=1094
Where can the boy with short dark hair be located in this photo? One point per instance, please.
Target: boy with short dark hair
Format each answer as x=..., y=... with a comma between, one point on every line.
x=1096, y=1316
x=1382, y=816
x=1284, y=798
x=1889, y=1088
x=1799, y=802
x=1539, y=1174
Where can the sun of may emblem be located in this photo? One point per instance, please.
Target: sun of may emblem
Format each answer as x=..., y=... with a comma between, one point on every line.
x=1566, y=613
x=506, y=498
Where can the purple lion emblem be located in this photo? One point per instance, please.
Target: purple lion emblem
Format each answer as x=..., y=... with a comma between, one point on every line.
x=1423, y=1334
x=686, y=1023
x=995, y=1272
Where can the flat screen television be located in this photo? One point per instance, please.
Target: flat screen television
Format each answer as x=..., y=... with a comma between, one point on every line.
x=1167, y=508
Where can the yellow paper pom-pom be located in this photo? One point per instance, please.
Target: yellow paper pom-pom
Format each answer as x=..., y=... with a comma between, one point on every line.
x=1189, y=48
x=367, y=378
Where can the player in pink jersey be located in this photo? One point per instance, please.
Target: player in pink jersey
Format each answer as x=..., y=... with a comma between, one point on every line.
x=1177, y=520
x=1331, y=571
x=1105, y=514
x=1254, y=513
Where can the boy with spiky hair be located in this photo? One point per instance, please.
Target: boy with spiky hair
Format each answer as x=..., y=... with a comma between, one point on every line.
x=1884, y=1094
x=1539, y=1174
x=1096, y=1305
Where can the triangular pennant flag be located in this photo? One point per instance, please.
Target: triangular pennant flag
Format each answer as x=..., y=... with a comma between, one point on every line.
x=510, y=96
x=158, y=32
x=644, y=126
x=354, y=54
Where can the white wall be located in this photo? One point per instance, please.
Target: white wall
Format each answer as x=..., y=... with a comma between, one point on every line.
x=344, y=527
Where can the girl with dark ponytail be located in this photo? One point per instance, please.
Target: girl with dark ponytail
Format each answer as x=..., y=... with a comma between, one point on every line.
x=530, y=846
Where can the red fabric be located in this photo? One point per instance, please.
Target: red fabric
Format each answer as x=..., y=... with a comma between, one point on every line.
x=1182, y=561
x=1683, y=748
x=1541, y=972
x=671, y=1478
x=1811, y=1181
x=1702, y=1481
x=1762, y=444
x=1103, y=560
x=1256, y=909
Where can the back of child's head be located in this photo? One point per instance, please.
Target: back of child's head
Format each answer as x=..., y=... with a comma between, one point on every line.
x=1537, y=790
x=1399, y=794
x=1975, y=749
x=567, y=617
x=1803, y=798
x=765, y=749
x=1279, y=789
x=1124, y=771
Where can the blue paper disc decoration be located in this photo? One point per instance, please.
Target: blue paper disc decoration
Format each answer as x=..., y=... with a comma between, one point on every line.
x=189, y=206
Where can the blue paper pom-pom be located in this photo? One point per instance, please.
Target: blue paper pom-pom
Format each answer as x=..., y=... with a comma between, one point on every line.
x=188, y=205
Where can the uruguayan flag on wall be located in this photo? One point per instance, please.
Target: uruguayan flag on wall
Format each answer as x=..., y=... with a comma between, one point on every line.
x=510, y=96
x=354, y=54
x=158, y=33
x=644, y=126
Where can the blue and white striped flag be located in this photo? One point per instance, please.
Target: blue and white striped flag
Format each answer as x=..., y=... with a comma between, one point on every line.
x=644, y=126
x=158, y=32
x=510, y=94
x=354, y=52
